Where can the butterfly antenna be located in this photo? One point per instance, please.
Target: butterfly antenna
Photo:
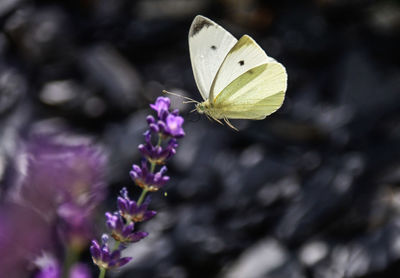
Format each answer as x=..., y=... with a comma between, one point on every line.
x=190, y=100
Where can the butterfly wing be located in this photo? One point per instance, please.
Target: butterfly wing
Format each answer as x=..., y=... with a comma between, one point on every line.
x=209, y=43
x=250, y=84
x=255, y=94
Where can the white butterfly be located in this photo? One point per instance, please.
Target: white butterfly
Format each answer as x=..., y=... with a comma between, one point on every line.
x=236, y=78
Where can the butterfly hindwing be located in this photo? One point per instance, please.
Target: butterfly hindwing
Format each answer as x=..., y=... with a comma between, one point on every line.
x=209, y=43
x=244, y=55
x=255, y=94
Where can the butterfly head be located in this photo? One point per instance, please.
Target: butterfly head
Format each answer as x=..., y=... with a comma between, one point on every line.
x=203, y=107
x=200, y=107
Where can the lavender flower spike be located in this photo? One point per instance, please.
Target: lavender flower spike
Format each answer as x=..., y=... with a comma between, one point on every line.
x=164, y=129
x=129, y=209
x=104, y=258
x=121, y=232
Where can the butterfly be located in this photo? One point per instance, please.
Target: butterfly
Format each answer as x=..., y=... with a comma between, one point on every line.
x=236, y=78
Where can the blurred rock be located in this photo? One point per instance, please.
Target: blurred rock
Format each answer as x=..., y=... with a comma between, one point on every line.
x=12, y=88
x=259, y=261
x=369, y=253
x=385, y=17
x=195, y=236
x=121, y=140
x=151, y=9
x=119, y=80
x=3, y=44
x=8, y=5
x=40, y=34
x=326, y=191
x=364, y=89
x=58, y=92
x=313, y=252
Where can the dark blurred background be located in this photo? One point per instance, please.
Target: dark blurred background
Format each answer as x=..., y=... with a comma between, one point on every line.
x=311, y=191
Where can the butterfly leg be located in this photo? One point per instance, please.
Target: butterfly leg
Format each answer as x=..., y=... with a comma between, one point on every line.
x=230, y=124
x=218, y=121
x=208, y=117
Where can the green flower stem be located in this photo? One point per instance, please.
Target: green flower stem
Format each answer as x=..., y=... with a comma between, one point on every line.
x=71, y=256
x=116, y=246
x=141, y=198
x=159, y=140
x=152, y=168
x=102, y=273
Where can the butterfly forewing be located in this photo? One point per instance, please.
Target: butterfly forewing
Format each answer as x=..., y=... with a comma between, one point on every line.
x=255, y=94
x=209, y=43
x=244, y=55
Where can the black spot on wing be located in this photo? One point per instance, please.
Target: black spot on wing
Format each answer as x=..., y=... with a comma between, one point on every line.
x=199, y=25
x=241, y=62
x=213, y=47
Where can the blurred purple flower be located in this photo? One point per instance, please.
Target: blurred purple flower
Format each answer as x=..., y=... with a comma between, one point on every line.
x=24, y=233
x=50, y=271
x=60, y=183
x=104, y=258
x=64, y=180
x=80, y=271
x=147, y=180
x=76, y=226
x=59, y=171
x=121, y=232
x=131, y=211
x=53, y=270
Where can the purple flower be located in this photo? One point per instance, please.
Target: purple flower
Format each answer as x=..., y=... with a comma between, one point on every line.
x=104, y=258
x=152, y=125
x=79, y=271
x=61, y=169
x=63, y=181
x=161, y=106
x=168, y=124
x=53, y=270
x=131, y=211
x=172, y=126
x=157, y=154
x=76, y=226
x=147, y=180
x=24, y=234
x=50, y=271
x=121, y=232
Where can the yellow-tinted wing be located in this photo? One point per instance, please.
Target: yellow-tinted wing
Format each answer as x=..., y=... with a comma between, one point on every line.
x=255, y=94
x=243, y=56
